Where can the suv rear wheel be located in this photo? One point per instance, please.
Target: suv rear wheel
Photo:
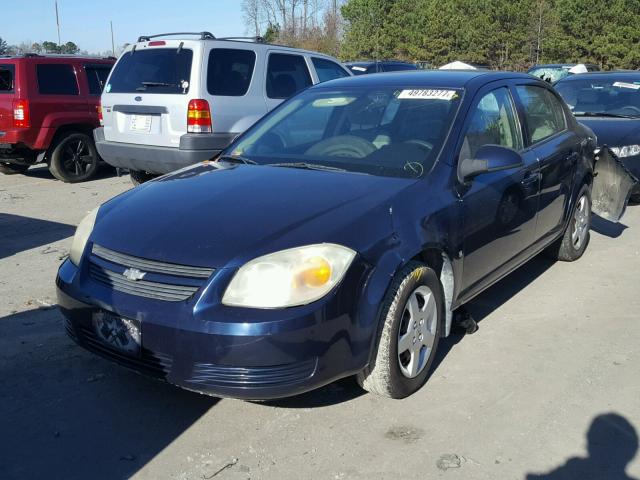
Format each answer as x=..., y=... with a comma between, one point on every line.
x=74, y=158
x=138, y=177
x=12, y=168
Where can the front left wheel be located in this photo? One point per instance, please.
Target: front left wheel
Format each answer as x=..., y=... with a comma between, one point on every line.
x=412, y=316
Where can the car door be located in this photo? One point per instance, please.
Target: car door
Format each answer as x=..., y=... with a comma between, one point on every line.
x=557, y=150
x=499, y=208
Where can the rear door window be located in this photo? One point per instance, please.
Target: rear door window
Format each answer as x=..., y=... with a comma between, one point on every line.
x=328, y=70
x=543, y=112
x=230, y=71
x=286, y=75
x=157, y=70
x=97, y=77
x=7, y=75
x=56, y=79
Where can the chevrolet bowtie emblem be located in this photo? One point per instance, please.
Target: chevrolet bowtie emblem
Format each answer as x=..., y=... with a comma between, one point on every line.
x=134, y=274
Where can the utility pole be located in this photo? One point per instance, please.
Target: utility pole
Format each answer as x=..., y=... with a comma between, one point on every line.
x=57, y=22
x=113, y=45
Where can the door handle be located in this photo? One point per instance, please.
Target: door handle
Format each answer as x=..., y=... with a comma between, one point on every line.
x=530, y=178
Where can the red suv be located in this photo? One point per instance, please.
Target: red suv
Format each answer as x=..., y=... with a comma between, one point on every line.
x=49, y=106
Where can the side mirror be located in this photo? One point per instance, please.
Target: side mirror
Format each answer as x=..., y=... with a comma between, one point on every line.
x=489, y=158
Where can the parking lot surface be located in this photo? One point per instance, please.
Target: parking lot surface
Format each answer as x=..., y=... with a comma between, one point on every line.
x=548, y=388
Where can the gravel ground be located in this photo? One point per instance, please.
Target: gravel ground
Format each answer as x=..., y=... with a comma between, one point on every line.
x=548, y=388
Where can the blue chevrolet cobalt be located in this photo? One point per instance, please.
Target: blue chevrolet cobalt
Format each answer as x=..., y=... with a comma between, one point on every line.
x=336, y=236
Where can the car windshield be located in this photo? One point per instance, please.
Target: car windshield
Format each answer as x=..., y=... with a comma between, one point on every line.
x=616, y=96
x=385, y=131
x=550, y=74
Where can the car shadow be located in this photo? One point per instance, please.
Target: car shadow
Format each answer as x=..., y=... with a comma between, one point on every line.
x=492, y=298
x=612, y=442
x=42, y=171
x=69, y=414
x=606, y=227
x=24, y=233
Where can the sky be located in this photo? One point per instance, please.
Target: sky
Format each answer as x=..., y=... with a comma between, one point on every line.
x=87, y=22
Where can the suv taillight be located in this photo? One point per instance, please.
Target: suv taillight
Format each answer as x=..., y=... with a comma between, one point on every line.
x=199, y=117
x=21, y=116
x=99, y=111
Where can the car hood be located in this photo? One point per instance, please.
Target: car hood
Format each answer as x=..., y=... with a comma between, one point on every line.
x=221, y=217
x=614, y=132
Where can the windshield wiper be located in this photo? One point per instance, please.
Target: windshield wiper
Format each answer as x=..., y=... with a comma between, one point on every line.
x=603, y=114
x=237, y=159
x=307, y=166
x=146, y=85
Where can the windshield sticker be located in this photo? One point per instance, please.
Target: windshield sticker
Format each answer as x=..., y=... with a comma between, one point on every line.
x=428, y=94
x=107, y=89
x=358, y=69
x=632, y=86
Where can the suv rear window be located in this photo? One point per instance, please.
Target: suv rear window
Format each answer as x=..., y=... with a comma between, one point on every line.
x=6, y=78
x=286, y=75
x=56, y=79
x=157, y=70
x=229, y=72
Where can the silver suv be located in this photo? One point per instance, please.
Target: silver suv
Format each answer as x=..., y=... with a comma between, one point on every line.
x=169, y=103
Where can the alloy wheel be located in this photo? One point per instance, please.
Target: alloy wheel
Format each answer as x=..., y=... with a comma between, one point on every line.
x=416, y=335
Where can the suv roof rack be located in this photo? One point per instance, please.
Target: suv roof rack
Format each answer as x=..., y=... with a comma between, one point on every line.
x=203, y=35
x=256, y=39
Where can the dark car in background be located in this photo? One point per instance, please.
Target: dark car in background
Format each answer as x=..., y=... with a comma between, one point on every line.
x=48, y=110
x=553, y=72
x=379, y=66
x=609, y=104
x=335, y=237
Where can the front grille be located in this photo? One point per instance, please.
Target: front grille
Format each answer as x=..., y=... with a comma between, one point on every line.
x=151, y=363
x=151, y=265
x=178, y=282
x=204, y=374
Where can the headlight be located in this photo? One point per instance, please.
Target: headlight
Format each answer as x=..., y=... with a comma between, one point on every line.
x=290, y=277
x=626, y=151
x=83, y=231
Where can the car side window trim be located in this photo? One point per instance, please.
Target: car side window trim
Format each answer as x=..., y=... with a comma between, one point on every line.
x=523, y=120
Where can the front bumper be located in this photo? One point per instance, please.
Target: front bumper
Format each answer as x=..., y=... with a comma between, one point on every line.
x=223, y=351
x=193, y=148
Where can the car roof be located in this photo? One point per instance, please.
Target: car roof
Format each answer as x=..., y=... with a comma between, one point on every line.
x=621, y=74
x=427, y=78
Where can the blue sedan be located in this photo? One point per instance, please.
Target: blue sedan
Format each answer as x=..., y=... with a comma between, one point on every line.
x=336, y=236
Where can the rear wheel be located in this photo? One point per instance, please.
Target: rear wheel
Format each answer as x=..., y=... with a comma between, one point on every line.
x=74, y=158
x=412, y=313
x=138, y=177
x=12, y=168
x=576, y=237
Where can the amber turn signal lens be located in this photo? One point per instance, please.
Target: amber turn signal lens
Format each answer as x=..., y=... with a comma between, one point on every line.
x=317, y=272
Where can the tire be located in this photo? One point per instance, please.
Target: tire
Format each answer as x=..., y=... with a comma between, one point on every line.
x=138, y=177
x=395, y=375
x=12, y=168
x=74, y=158
x=572, y=245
